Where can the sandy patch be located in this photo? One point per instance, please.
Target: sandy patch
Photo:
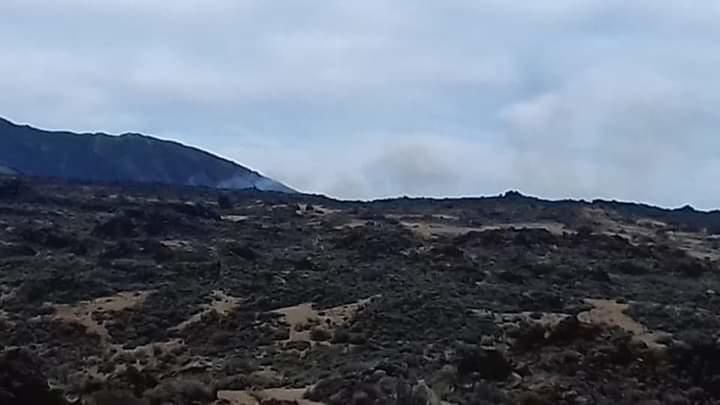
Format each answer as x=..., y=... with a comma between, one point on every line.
x=234, y=218
x=221, y=303
x=176, y=244
x=555, y=228
x=552, y=227
x=605, y=313
x=604, y=222
x=611, y=313
x=433, y=229
x=698, y=245
x=316, y=211
x=354, y=223
x=651, y=223
x=81, y=313
x=301, y=315
x=326, y=211
x=444, y=217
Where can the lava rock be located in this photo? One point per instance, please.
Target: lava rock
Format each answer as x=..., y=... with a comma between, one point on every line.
x=320, y=334
x=244, y=251
x=181, y=392
x=488, y=363
x=119, y=226
x=15, y=250
x=22, y=381
x=10, y=187
x=225, y=202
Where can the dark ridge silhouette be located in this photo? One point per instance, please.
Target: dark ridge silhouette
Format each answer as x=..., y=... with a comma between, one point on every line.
x=124, y=158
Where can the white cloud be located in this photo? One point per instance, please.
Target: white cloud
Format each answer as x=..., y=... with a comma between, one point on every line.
x=559, y=98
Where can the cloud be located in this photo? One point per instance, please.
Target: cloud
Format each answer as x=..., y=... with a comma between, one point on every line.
x=376, y=98
x=391, y=164
x=617, y=132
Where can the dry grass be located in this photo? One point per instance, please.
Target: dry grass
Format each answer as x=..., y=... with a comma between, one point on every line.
x=298, y=316
x=611, y=313
x=429, y=229
x=81, y=313
x=221, y=303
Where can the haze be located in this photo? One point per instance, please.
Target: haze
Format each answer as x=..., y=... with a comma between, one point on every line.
x=557, y=98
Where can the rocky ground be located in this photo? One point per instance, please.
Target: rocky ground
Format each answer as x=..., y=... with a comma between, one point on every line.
x=154, y=295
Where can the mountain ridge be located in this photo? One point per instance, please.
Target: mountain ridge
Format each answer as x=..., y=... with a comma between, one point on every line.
x=125, y=157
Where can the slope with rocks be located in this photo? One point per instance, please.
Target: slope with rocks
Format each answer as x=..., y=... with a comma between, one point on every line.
x=127, y=295
x=124, y=158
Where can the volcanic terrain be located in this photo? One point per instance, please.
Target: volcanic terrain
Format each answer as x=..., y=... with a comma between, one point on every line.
x=142, y=294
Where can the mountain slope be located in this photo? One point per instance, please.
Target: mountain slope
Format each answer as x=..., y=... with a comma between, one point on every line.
x=128, y=157
x=171, y=297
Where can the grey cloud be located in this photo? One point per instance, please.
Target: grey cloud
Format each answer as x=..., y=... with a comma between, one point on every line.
x=417, y=168
x=617, y=133
x=559, y=98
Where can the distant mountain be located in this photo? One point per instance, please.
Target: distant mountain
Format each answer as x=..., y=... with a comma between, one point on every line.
x=7, y=171
x=129, y=157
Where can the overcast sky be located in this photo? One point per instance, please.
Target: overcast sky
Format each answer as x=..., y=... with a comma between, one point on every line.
x=371, y=98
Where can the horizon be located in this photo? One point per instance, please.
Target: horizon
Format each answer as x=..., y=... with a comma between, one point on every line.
x=501, y=194
x=559, y=99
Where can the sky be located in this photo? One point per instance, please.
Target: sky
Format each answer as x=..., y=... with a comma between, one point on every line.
x=366, y=99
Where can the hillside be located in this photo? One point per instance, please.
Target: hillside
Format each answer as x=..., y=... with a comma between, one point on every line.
x=119, y=294
x=124, y=158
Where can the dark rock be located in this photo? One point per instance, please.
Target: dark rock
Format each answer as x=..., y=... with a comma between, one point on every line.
x=225, y=202
x=688, y=267
x=512, y=276
x=600, y=275
x=448, y=251
x=698, y=356
x=424, y=395
x=49, y=237
x=532, y=398
x=341, y=336
x=14, y=249
x=300, y=345
x=10, y=187
x=357, y=339
x=675, y=399
x=277, y=402
x=22, y=381
x=326, y=388
x=488, y=363
x=282, y=333
x=244, y=251
x=181, y=392
x=194, y=210
x=119, y=226
x=486, y=394
x=320, y=334
x=632, y=267
x=119, y=397
x=137, y=381
x=570, y=329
